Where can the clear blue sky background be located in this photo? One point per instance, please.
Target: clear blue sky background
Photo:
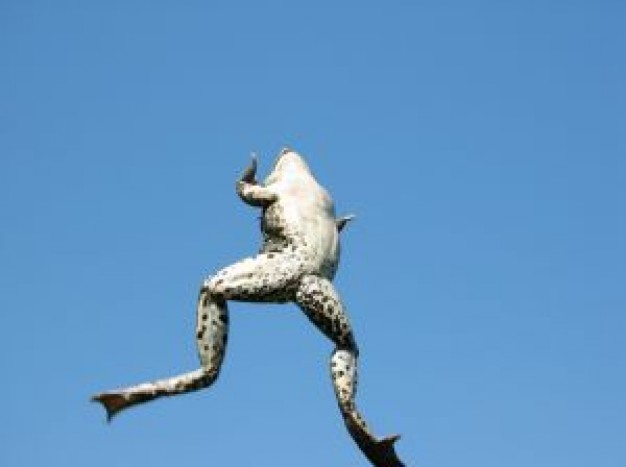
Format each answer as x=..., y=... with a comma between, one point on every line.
x=483, y=148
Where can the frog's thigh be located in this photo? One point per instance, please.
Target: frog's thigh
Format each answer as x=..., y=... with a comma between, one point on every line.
x=266, y=277
x=319, y=300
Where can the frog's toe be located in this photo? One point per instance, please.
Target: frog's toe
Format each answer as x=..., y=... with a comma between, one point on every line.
x=113, y=402
x=389, y=440
x=383, y=454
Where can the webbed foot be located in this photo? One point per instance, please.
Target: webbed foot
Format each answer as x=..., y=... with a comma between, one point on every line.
x=382, y=453
x=114, y=402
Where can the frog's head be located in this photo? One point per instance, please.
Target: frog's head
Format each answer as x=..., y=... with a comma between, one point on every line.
x=288, y=163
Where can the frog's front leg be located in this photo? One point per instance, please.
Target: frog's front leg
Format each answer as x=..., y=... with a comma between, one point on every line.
x=267, y=277
x=322, y=305
x=343, y=221
x=249, y=189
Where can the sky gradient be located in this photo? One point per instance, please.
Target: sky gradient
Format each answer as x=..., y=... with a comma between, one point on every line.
x=482, y=147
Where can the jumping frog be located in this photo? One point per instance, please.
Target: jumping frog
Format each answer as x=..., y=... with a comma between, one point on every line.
x=297, y=263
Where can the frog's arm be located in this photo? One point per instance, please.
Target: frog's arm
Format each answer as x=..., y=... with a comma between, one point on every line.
x=343, y=220
x=250, y=191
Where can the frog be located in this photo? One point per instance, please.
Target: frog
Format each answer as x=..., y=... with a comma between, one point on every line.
x=297, y=262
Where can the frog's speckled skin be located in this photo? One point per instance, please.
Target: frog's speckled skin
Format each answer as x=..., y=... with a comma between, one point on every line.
x=297, y=262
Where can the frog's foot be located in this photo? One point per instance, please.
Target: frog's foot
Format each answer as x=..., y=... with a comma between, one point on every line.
x=386, y=452
x=120, y=399
x=117, y=400
x=113, y=402
x=381, y=453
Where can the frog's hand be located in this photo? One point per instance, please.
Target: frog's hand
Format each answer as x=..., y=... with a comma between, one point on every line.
x=249, y=173
x=343, y=220
x=250, y=191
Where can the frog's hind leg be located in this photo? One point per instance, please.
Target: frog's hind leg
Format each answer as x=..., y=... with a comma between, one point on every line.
x=322, y=305
x=266, y=277
x=211, y=337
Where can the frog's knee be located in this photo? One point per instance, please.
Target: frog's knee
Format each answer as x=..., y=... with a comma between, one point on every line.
x=307, y=284
x=347, y=343
x=213, y=286
x=206, y=284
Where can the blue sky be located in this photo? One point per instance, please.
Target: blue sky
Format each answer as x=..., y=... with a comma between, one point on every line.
x=481, y=145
